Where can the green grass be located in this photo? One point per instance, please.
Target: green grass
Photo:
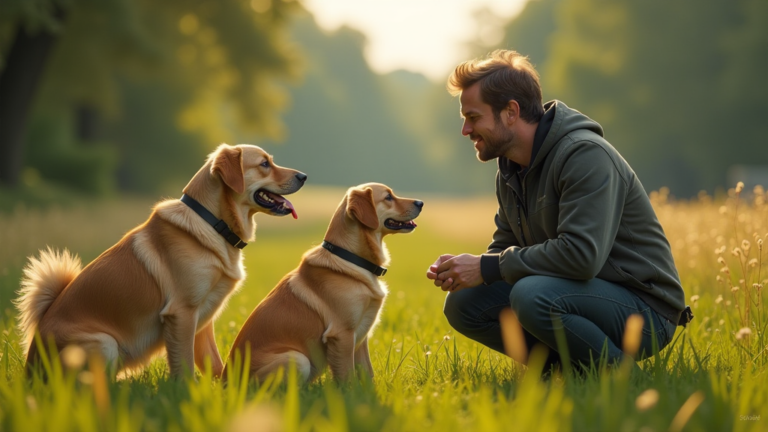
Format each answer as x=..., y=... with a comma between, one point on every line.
x=427, y=377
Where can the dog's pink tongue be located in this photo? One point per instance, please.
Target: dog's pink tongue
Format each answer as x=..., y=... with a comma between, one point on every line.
x=282, y=200
x=290, y=206
x=293, y=211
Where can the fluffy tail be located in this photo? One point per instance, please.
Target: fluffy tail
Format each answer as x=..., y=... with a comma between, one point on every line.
x=44, y=279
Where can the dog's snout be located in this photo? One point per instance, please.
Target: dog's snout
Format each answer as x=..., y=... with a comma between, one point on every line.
x=418, y=204
x=301, y=177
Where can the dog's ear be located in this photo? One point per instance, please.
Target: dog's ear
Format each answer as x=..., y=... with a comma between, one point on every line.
x=360, y=206
x=228, y=163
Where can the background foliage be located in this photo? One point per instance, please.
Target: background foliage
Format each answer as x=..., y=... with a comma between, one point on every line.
x=135, y=93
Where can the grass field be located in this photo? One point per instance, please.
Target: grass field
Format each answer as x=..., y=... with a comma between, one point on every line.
x=712, y=377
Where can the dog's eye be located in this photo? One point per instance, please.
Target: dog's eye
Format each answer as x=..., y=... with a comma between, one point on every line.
x=388, y=197
x=265, y=164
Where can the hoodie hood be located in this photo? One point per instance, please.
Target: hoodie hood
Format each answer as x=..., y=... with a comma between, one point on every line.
x=566, y=120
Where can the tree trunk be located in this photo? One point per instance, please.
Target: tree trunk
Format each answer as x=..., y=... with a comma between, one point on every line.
x=18, y=82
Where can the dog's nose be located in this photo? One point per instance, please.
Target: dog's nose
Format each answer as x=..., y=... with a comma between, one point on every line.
x=302, y=177
x=418, y=204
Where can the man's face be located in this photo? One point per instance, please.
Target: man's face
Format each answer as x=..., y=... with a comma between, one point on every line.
x=491, y=136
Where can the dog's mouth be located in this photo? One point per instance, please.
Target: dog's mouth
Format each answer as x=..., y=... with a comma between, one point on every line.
x=396, y=225
x=275, y=203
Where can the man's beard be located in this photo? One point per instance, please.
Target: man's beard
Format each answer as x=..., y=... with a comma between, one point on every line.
x=496, y=143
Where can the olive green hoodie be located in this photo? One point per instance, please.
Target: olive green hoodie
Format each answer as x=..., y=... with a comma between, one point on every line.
x=579, y=212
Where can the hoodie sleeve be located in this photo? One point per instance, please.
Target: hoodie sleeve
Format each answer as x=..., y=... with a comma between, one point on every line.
x=592, y=196
x=503, y=238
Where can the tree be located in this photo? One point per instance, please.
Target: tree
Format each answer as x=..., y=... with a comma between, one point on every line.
x=214, y=62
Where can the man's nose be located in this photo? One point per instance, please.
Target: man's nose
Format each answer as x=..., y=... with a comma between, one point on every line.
x=466, y=129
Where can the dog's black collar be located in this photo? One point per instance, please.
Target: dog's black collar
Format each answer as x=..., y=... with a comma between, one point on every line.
x=219, y=225
x=354, y=259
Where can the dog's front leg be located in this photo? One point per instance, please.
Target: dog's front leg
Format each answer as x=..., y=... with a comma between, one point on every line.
x=341, y=351
x=205, y=347
x=179, y=325
x=363, y=358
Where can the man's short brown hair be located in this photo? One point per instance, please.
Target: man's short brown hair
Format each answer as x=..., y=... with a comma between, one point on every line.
x=504, y=75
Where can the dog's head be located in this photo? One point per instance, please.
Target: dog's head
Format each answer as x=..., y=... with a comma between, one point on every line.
x=377, y=208
x=251, y=173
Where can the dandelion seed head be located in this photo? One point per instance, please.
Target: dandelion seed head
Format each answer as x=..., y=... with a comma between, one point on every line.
x=73, y=356
x=746, y=331
x=647, y=400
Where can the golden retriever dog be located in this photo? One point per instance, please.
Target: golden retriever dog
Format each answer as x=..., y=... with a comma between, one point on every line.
x=322, y=312
x=163, y=284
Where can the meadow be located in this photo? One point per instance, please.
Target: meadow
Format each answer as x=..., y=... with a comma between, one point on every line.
x=711, y=378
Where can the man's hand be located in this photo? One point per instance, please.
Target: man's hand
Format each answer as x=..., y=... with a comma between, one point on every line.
x=456, y=272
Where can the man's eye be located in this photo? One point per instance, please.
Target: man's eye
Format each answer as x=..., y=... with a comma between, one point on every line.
x=389, y=197
x=265, y=164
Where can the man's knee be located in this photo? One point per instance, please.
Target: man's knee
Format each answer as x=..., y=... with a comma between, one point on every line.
x=456, y=309
x=529, y=296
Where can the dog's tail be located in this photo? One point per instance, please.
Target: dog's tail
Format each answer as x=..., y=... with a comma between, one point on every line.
x=44, y=279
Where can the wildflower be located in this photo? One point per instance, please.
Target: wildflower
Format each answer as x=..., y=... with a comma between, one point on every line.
x=73, y=356
x=694, y=298
x=647, y=400
x=720, y=260
x=719, y=299
x=447, y=337
x=760, y=243
x=739, y=187
x=725, y=270
x=723, y=210
x=746, y=331
x=734, y=289
x=757, y=286
x=428, y=353
x=31, y=403
x=736, y=251
x=745, y=245
x=752, y=262
x=721, y=322
x=719, y=279
x=632, y=334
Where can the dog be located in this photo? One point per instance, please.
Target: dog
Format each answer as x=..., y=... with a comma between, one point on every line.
x=322, y=313
x=164, y=283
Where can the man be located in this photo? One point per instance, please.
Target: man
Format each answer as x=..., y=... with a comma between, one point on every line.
x=577, y=248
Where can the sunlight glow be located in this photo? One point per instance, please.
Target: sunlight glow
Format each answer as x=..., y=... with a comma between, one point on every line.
x=426, y=36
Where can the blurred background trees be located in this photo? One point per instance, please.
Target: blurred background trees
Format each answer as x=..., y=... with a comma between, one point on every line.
x=134, y=93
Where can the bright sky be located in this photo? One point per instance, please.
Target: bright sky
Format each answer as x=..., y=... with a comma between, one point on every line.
x=427, y=36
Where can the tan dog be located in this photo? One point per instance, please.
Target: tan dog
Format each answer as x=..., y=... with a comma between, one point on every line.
x=163, y=283
x=322, y=312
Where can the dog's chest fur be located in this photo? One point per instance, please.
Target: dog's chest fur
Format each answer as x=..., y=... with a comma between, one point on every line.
x=369, y=310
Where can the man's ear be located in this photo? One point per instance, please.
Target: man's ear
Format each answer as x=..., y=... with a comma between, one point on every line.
x=513, y=111
x=228, y=163
x=360, y=206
